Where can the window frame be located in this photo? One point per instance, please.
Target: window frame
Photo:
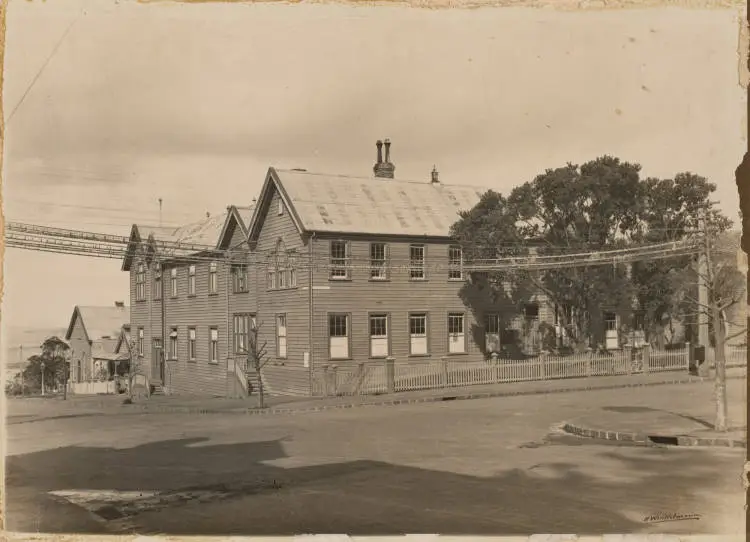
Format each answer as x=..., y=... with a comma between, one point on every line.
x=213, y=345
x=338, y=265
x=174, y=344
x=426, y=316
x=279, y=336
x=453, y=316
x=173, y=287
x=348, y=322
x=487, y=318
x=417, y=267
x=213, y=278
x=192, y=353
x=191, y=280
x=140, y=282
x=158, y=284
x=387, y=318
x=245, y=319
x=382, y=263
x=239, y=278
x=454, y=267
x=141, y=340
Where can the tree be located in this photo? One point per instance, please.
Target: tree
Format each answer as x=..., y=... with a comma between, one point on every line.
x=670, y=209
x=726, y=287
x=570, y=209
x=134, y=369
x=53, y=357
x=257, y=358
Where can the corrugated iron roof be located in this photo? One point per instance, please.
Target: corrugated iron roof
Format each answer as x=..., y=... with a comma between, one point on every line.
x=345, y=204
x=104, y=321
x=202, y=232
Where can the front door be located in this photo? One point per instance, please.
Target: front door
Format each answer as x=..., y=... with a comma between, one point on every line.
x=611, y=337
x=157, y=367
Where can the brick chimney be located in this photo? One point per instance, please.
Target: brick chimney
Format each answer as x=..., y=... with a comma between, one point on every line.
x=434, y=179
x=384, y=168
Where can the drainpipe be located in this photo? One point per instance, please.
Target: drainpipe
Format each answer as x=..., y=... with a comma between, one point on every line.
x=310, y=317
x=230, y=329
x=164, y=326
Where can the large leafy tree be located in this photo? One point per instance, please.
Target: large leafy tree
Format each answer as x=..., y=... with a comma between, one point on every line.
x=600, y=205
x=670, y=211
x=53, y=357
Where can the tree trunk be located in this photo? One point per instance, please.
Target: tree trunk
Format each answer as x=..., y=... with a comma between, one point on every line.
x=720, y=380
x=261, y=398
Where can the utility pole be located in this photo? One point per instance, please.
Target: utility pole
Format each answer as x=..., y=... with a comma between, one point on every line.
x=709, y=308
x=160, y=212
x=703, y=273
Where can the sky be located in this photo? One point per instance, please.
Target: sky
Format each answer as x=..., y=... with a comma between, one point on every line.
x=192, y=103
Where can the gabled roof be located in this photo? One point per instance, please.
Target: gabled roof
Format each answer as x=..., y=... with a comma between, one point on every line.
x=362, y=205
x=123, y=339
x=99, y=322
x=236, y=217
x=202, y=232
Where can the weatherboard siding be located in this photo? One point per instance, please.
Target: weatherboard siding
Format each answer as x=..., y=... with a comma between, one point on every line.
x=289, y=375
x=141, y=316
x=81, y=351
x=201, y=311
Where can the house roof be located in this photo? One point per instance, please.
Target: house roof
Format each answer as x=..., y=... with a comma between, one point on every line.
x=240, y=217
x=207, y=232
x=101, y=348
x=124, y=338
x=99, y=322
x=367, y=205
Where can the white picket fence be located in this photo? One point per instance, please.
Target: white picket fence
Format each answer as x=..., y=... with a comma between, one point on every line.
x=93, y=388
x=373, y=377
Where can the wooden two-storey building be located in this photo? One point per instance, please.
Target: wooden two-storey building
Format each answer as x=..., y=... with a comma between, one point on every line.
x=332, y=269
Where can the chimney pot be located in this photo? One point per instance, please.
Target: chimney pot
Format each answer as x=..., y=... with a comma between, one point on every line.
x=384, y=169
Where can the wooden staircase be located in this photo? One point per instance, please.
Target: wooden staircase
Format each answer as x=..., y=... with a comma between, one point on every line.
x=157, y=388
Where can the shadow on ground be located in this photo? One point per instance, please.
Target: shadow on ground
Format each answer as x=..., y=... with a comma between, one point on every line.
x=357, y=497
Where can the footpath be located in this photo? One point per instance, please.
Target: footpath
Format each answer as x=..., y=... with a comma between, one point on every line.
x=88, y=405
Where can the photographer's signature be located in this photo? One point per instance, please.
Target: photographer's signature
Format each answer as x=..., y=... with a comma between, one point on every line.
x=661, y=517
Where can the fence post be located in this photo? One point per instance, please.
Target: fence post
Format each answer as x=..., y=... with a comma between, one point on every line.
x=496, y=366
x=360, y=377
x=542, y=365
x=628, y=359
x=444, y=364
x=646, y=356
x=390, y=374
x=326, y=381
x=589, y=359
x=689, y=356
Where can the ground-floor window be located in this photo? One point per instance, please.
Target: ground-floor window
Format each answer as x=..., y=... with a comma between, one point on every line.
x=418, y=334
x=191, y=343
x=173, y=343
x=456, y=335
x=281, y=350
x=379, y=335
x=242, y=327
x=213, y=345
x=140, y=341
x=338, y=336
x=492, y=332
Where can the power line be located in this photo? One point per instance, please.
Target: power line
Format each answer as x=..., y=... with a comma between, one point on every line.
x=39, y=73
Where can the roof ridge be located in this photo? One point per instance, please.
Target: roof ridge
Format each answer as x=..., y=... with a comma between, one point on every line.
x=377, y=179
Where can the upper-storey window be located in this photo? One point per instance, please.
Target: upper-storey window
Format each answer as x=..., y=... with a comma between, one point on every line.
x=157, y=281
x=378, y=261
x=140, y=282
x=213, y=281
x=173, y=281
x=455, y=263
x=416, y=262
x=239, y=278
x=339, y=260
x=191, y=280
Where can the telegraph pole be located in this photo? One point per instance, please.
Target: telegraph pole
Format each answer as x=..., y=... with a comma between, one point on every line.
x=703, y=273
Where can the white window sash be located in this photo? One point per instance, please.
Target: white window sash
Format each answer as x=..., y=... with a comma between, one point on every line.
x=378, y=346
x=456, y=343
x=339, y=347
x=418, y=344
